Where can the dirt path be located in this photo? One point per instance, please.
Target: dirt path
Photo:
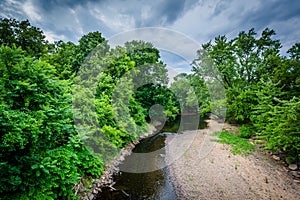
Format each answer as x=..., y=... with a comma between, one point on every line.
x=208, y=170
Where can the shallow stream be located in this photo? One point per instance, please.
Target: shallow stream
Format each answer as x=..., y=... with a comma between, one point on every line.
x=151, y=185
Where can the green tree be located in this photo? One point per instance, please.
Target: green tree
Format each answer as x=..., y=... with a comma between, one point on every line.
x=22, y=34
x=262, y=87
x=63, y=58
x=239, y=64
x=277, y=120
x=87, y=44
x=41, y=155
x=185, y=93
x=68, y=57
x=118, y=113
x=152, y=78
x=288, y=73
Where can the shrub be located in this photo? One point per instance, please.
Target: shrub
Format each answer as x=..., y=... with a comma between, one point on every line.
x=246, y=131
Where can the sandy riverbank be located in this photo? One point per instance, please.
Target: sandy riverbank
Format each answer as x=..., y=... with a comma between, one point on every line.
x=208, y=170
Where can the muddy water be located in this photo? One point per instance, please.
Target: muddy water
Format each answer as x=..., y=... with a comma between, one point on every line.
x=151, y=185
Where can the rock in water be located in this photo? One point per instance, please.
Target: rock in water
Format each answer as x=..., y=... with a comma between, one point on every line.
x=293, y=167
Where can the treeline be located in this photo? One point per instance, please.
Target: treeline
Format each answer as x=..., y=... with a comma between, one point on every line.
x=262, y=87
x=43, y=153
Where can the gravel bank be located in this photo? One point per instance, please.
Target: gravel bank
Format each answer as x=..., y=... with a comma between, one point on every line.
x=208, y=170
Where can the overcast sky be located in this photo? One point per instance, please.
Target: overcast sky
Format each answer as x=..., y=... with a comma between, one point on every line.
x=200, y=20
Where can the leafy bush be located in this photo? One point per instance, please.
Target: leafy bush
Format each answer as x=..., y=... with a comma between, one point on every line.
x=246, y=131
x=117, y=137
x=279, y=125
x=241, y=104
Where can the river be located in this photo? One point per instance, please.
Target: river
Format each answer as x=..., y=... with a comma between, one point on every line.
x=151, y=185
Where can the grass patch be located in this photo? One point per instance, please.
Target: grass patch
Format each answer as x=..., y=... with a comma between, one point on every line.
x=239, y=145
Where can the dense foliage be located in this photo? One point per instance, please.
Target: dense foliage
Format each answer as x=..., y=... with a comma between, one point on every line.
x=261, y=86
x=23, y=35
x=41, y=155
x=43, y=151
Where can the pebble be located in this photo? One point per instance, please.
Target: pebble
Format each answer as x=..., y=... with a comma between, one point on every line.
x=275, y=157
x=296, y=181
x=90, y=196
x=296, y=174
x=268, y=153
x=293, y=167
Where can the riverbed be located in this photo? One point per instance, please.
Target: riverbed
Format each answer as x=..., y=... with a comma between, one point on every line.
x=149, y=185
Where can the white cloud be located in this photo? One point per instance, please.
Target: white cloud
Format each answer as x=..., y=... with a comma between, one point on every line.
x=287, y=34
x=113, y=18
x=31, y=11
x=145, y=12
x=64, y=23
x=213, y=18
x=78, y=25
x=10, y=9
x=51, y=36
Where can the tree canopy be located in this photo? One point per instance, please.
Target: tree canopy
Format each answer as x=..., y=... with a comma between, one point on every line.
x=22, y=34
x=260, y=85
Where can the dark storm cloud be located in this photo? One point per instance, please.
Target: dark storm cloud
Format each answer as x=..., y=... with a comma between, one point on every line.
x=272, y=11
x=73, y=18
x=162, y=12
x=52, y=4
x=200, y=19
x=281, y=16
x=171, y=10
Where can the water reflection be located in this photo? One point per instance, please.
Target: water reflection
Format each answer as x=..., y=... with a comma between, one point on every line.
x=150, y=185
